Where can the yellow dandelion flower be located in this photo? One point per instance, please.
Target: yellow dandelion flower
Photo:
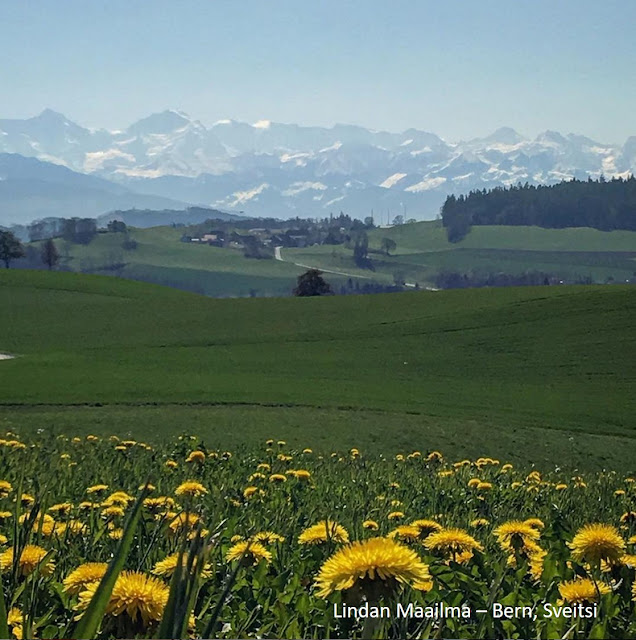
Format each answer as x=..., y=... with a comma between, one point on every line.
x=118, y=499
x=395, y=515
x=97, y=488
x=116, y=534
x=30, y=558
x=3, y=540
x=264, y=466
x=628, y=517
x=484, y=486
x=170, y=464
x=480, y=522
x=277, y=477
x=451, y=542
x=596, y=542
x=184, y=521
x=62, y=508
x=371, y=525
x=248, y=552
x=582, y=590
x=561, y=486
x=446, y=473
x=267, y=537
x=87, y=506
x=473, y=483
x=77, y=580
x=27, y=500
x=307, y=450
x=426, y=526
x=303, y=474
x=405, y=532
x=515, y=534
x=249, y=492
x=166, y=567
x=113, y=512
x=434, y=456
x=196, y=456
x=5, y=488
x=136, y=596
x=325, y=530
x=5, y=515
x=15, y=619
x=629, y=560
x=378, y=560
x=236, y=538
x=535, y=523
x=191, y=489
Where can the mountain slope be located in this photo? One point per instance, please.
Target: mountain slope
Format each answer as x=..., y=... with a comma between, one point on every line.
x=31, y=189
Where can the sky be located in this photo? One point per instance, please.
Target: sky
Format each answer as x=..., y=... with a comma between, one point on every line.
x=459, y=69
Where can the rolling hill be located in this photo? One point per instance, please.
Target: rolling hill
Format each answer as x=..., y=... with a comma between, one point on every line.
x=537, y=374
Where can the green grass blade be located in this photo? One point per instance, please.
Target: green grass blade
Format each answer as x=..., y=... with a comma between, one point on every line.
x=89, y=623
x=4, y=625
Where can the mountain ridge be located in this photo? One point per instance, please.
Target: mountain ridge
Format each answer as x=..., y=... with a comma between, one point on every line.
x=281, y=170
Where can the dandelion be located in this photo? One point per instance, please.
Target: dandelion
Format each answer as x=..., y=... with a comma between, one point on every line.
x=406, y=532
x=479, y=522
x=113, y=512
x=15, y=619
x=395, y=515
x=5, y=488
x=170, y=464
x=371, y=525
x=166, y=567
x=118, y=499
x=596, y=542
x=277, y=478
x=85, y=574
x=116, y=534
x=307, y=450
x=139, y=598
x=451, y=542
x=184, y=521
x=484, y=486
x=378, y=562
x=324, y=531
x=434, y=456
x=248, y=552
x=249, y=492
x=5, y=515
x=191, y=489
x=516, y=535
x=196, y=456
x=30, y=558
x=27, y=500
x=303, y=474
x=473, y=483
x=267, y=537
x=62, y=508
x=426, y=526
x=535, y=523
x=561, y=486
x=582, y=590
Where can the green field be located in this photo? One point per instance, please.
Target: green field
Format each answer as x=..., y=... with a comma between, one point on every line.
x=543, y=375
x=161, y=257
x=422, y=250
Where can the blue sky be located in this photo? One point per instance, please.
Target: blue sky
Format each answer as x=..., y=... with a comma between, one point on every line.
x=457, y=68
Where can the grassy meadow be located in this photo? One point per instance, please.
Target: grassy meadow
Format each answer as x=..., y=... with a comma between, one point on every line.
x=422, y=250
x=446, y=447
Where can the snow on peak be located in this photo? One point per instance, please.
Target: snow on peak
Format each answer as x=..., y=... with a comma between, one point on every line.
x=392, y=180
x=262, y=124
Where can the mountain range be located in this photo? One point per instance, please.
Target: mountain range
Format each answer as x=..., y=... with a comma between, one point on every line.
x=169, y=160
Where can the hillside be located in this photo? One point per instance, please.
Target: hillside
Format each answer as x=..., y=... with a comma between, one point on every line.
x=544, y=374
x=423, y=250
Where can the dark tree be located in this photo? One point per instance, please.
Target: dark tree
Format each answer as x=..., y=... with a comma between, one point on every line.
x=311, y=283
x=388, y=245
x=10, y=248
x=49, y=253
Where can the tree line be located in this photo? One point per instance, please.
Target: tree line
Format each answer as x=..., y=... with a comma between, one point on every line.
x=601, y=204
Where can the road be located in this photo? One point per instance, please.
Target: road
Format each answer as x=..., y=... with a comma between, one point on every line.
x=278, y=255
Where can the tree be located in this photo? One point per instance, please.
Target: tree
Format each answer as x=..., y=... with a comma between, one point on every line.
x=388, y=245
x=311, y=283
x=49, y=253
x=10, y=248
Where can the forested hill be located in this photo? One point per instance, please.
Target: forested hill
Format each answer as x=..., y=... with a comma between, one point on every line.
x=600, y=204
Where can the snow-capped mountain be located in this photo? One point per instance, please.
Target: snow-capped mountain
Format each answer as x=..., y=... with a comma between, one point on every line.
x=275, y=169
